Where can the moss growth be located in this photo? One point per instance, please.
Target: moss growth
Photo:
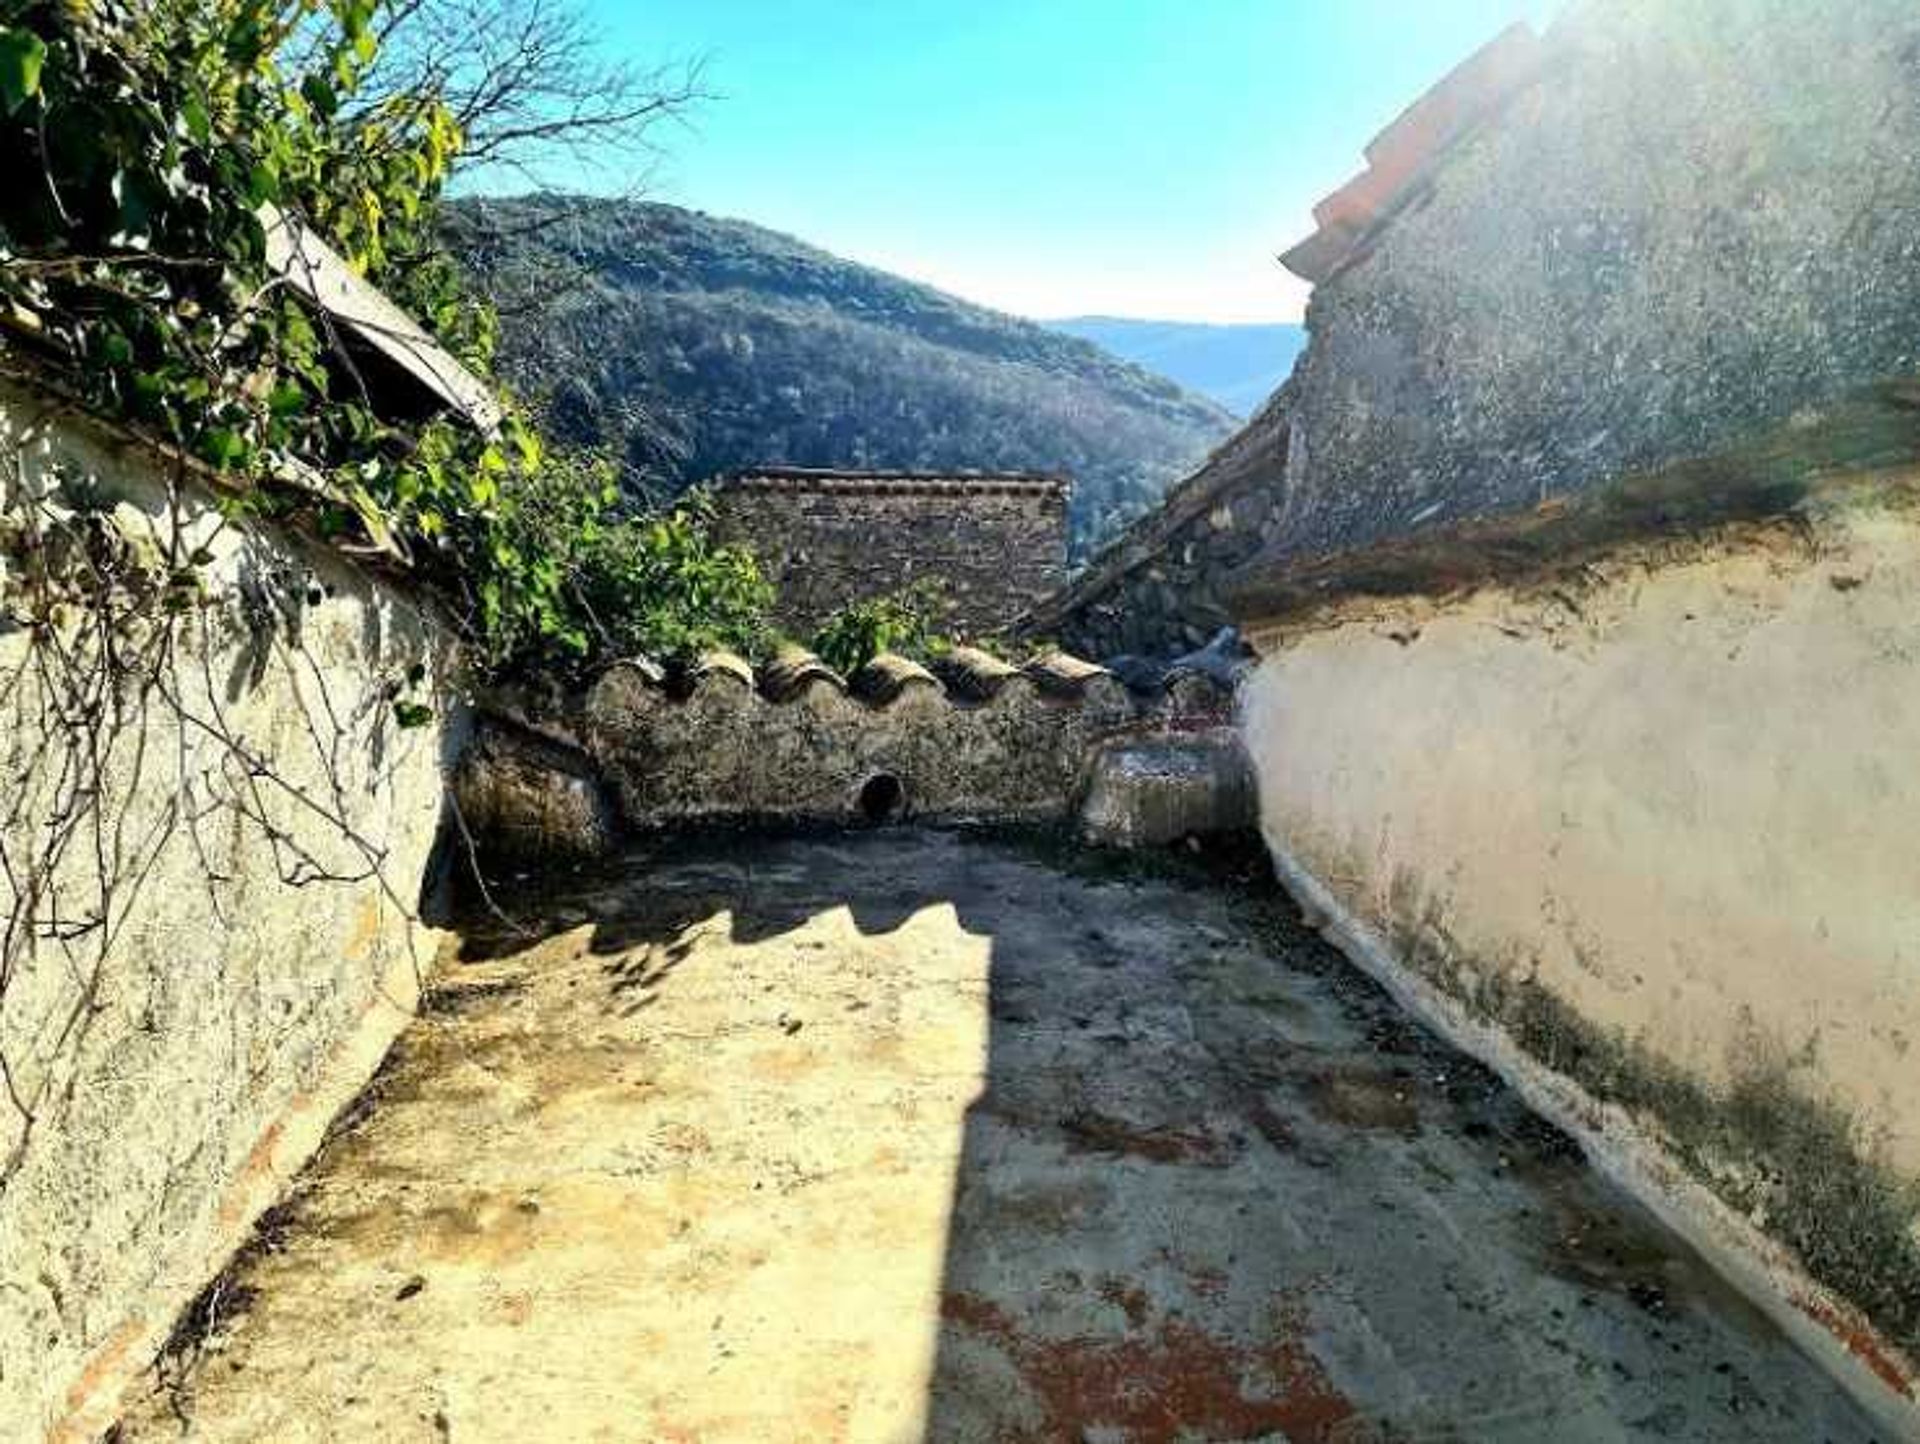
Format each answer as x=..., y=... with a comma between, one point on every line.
x=1794, y=1163
x=1237, y=858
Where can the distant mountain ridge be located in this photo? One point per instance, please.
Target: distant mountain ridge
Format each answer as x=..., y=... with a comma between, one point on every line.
x=1238, y=365
x=691, y=345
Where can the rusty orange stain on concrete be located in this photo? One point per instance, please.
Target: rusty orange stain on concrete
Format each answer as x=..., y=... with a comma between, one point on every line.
x=1168, y=1385
x=364, y=935
x=1204, y=1279
x=238, y=1203
x=1865, y=1345
x=1097, y=1133
x=1130, y=1299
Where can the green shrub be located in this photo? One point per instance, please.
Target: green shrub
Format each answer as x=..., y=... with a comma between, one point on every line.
x=658, y=584
x=905, y=621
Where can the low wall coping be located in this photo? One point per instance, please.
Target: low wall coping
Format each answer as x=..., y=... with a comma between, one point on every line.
x=1842, y=448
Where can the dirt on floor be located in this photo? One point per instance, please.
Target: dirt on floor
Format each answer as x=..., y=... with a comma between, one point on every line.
x=908, y=1135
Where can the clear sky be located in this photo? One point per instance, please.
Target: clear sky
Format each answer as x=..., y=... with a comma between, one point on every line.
x=1048, y=157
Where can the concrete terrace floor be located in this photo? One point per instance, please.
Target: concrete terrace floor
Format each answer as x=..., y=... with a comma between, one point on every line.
x=901, y=1136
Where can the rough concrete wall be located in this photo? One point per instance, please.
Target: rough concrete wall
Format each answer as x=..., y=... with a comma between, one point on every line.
x=1653, y=819
x=727, y=753
x=1703, y=220
x=567, y=774
x=1157, y=591
x=724, y=753
x=176, y=1085
x=531, y=799
x=992, y=550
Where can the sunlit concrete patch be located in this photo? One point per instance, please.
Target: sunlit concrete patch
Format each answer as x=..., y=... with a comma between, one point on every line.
x=678, y=1169
x=909, y=1136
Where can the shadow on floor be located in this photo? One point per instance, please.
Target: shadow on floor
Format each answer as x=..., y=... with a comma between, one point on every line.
x=1218, y=1186
x=907, y=1134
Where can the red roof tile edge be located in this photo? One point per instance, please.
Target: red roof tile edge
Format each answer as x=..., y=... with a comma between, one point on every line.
x=1403, y=154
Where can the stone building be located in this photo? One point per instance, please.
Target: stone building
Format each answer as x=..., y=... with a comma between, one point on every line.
x=1583, y=714
x=1578, y=556
x=993, y=542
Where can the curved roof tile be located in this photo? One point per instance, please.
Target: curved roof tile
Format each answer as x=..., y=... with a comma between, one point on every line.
x=974, y=675
x=1060, y=674
x=719, y=667
x=793, y=670
x=888, y=675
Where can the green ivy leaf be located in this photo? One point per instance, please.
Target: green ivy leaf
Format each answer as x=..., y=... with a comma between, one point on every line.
x=412, y=714
x=320, y=96
x=263, y=183
x=223, y=446
x=193, y=116
x=22, y=56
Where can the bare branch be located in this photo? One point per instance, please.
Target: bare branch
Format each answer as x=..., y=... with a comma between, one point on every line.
x=533, y=89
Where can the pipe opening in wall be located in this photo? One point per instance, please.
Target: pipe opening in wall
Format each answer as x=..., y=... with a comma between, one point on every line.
x=882, y=798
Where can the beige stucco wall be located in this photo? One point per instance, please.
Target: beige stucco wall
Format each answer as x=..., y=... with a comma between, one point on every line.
x=231, y=1019
x=1673, y=791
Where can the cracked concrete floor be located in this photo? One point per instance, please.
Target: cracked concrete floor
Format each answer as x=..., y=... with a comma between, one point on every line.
x=906, y=1136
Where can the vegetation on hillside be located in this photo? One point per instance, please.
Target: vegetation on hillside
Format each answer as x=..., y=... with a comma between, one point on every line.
x=690, y=346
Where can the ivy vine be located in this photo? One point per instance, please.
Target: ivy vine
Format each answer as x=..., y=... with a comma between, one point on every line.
x=145, y=143
x=151, y=136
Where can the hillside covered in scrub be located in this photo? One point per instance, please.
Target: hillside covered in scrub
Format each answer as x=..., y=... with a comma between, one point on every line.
x=688, y=346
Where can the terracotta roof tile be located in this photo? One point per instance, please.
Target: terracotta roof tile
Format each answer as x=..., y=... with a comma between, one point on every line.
x=793, y=670
x=1400, y=157
x=974, y=675
x=887, y=676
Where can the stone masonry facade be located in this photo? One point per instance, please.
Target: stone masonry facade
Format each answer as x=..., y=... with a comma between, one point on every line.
x=1158, y=589
x=992, y=543
x=1657, y=233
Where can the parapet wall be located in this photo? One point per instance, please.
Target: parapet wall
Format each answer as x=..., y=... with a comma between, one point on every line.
x=167, y=1088
x=1647, y=816
x=981, y=741
x=992, y=544
x=1583, y=714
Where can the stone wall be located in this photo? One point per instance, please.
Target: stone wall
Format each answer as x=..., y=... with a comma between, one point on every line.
x=794, y=742
x=1639, y=241
x=992, y=544
x=1698, y=221
x=1582, y=710
x=1644, y=820
x=1158, y=589
x=263, y=959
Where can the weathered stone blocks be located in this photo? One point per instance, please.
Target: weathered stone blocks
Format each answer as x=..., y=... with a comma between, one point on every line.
x=991, y=544
x=983, y=740
x=1151, y=792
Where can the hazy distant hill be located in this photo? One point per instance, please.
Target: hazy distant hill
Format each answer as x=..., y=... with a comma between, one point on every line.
x=694, y=345
x=1238, y=366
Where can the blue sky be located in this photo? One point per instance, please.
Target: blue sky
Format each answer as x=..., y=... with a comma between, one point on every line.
x=1052, y=157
